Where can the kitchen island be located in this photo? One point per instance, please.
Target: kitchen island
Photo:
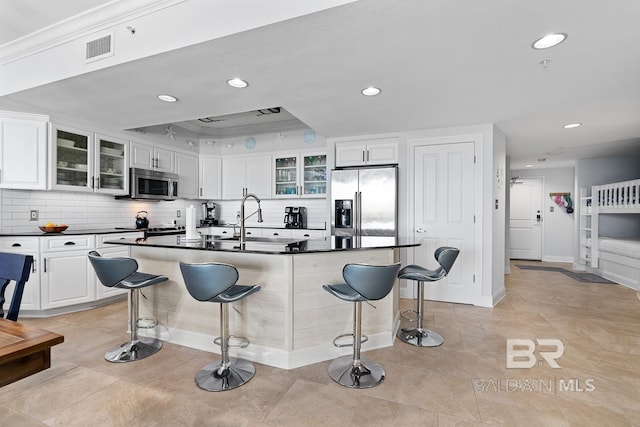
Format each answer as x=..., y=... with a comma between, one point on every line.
x=292, y=321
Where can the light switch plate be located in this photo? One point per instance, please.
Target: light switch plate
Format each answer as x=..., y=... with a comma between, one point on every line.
x=33, y=215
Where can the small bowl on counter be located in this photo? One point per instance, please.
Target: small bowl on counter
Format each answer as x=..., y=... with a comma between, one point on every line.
x=54, y=229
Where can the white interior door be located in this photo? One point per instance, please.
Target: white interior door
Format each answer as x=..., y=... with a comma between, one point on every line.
x=525, y=223
x=444, y=212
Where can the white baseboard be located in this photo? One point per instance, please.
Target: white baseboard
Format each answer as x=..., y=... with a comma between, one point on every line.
x=551, y=258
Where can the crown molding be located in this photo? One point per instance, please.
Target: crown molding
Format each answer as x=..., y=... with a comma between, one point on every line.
x=91, y=21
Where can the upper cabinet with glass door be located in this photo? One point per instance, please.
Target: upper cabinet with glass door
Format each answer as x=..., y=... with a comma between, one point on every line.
x=111, y=165
x=82, y=161
x=300, y=175
x=71, y=152
x=314, y=175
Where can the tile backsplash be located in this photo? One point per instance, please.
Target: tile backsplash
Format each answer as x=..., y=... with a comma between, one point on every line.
x=88, y=210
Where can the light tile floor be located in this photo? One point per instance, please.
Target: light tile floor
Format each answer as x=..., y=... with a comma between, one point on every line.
x=464, y=382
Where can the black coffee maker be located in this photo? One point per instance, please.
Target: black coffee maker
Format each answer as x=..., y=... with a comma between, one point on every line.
x=295, y=217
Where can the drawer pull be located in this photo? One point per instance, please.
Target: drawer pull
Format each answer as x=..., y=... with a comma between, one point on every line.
x=69, y=243
x=276, y=234
x=306, y=235
x=16, y=245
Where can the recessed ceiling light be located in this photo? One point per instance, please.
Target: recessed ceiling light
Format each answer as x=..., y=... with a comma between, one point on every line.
x=549, y=40
x=572, y=125
x=370, y=91
x=236, y=82
x=167, y=98
x=528, y=165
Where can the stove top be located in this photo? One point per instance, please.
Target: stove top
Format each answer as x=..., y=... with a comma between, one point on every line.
x=163, y=230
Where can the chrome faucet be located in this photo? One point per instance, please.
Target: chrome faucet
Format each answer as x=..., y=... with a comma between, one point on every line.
x=243, y=230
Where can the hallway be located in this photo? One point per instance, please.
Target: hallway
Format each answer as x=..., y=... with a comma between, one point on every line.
x=465, y=382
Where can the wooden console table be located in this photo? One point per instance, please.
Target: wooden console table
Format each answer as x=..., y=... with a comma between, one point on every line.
x=24, y=350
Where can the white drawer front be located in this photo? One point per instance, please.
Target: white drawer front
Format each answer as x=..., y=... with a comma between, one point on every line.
x=67, y=243
x=19, y=244
x=102, y=238
x=307, y=234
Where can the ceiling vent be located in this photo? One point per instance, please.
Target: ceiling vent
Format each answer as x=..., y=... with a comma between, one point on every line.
x=99, y=48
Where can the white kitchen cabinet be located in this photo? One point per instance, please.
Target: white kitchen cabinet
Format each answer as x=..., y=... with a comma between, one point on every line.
x=83, y=161
x=246, y=174
x=295, y=233
x=150, y=157
x=187, y=170
x=67, y=277
x=307, y=234
x=111, y=165
x=367, y=152
x=300, y=175
x=31, y=293
x=71, y=154
x=23, y=151
x=210, y=178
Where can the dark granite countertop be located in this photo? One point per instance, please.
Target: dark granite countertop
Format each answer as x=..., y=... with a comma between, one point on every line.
x=270, y=245
x=70, y=232
x=279, y=227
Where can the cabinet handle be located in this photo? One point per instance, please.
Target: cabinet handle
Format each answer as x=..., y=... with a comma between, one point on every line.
x=367, y=155
x=306, y=235
x=200, y=191
x=248, y=232
x=363, y=156
x=69, y=243
x=33, y=266
x=98, y=182
x=16, y=245
x=224, y=232
x=92, y=182
x=45, y=265
x=276, y=234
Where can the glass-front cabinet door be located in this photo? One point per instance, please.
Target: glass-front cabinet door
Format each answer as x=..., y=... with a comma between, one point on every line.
x=314, y=176
x=286, y=176
x=72, y=150
x=300, y=175
x=111, y=166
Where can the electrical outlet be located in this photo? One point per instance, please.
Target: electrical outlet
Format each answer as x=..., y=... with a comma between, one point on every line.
x=34, y=215
x=178, y=213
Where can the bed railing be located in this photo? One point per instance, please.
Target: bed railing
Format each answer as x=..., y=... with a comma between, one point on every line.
x=619, y=195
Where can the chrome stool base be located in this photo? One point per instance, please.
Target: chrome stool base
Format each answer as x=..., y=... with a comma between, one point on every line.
x=238, y=373
x=420, y=337
x=348, y=373
x=133, y=350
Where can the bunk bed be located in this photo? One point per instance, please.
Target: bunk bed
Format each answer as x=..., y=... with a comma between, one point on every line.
x=614, y=258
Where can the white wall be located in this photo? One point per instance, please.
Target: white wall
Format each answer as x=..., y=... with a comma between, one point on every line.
x=558, y=231
x=605, y=170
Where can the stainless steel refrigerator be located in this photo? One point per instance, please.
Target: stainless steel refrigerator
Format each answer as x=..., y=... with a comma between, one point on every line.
x=364, y=201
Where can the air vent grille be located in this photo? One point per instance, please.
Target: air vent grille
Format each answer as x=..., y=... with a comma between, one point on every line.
x=99, y=48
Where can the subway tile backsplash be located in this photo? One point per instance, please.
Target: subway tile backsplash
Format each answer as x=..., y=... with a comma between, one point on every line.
x=89, y=210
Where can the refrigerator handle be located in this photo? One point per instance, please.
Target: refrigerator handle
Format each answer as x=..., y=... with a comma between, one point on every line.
x=359, y=213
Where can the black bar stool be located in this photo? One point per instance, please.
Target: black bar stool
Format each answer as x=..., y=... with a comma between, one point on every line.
x=419, y=336
x=122, y=272
x=363, y=283
x=216, y=282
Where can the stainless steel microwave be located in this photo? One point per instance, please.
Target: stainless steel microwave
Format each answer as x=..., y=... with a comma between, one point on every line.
x=153, y=185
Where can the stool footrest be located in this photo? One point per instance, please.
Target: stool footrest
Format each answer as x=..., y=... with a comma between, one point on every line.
x=409, y=319
x=241, y=342
x=363, y=339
